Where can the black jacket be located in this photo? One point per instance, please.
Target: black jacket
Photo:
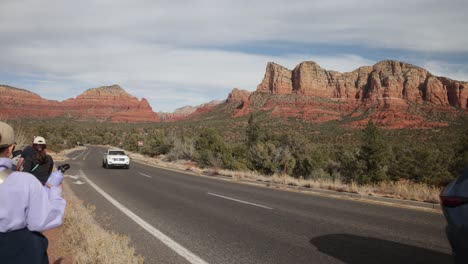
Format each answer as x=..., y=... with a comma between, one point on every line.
x=42, y=171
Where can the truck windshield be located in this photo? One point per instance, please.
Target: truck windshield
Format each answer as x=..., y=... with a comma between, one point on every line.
x=116, y=153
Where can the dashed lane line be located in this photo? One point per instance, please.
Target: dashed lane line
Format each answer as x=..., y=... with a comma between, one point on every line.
x=240, y=201
x=147, y=176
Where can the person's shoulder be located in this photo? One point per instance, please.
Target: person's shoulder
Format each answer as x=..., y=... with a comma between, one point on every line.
x=27, y=151
x=27, y=148
x=22, y=176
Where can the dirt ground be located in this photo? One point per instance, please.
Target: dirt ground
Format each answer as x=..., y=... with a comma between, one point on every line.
x=57, y=254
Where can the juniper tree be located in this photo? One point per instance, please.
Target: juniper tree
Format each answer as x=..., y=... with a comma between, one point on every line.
x=253, y=131
x=374, y=155
x=460, y=161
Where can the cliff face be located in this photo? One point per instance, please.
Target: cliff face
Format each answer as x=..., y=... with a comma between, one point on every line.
x=277, y=80
x=313, y=93
x=238, y=96
x=107, y=103
x=142, y=113
x=386, y=80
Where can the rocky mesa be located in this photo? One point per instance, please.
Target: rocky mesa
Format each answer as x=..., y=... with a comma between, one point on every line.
x=19, y=103
x=385, y=81
x=398, y=94
x=106, y=103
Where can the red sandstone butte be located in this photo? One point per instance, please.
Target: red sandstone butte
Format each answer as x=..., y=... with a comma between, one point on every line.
x=237, y=96
x=389, y=88
x=107, y=103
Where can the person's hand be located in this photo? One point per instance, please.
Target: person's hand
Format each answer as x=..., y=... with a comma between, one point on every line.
x=50, y=185
x=55, y=178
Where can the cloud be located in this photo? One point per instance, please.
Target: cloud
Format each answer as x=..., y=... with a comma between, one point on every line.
x=180, y=52
x=453, y=70
x=420, y=25
x=151, y=71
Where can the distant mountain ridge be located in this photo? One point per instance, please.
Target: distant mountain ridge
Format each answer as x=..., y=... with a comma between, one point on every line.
x=187, y=112
x=106, y=103
x=392, y=93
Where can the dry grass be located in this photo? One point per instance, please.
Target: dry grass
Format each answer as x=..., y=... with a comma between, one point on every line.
x=410, y=191
x=21, y=137
x=406, y=190
x=87, y=242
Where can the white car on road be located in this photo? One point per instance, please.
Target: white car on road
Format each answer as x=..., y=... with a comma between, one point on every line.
x=115, y=158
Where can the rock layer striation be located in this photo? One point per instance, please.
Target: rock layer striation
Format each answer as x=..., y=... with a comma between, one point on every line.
x=385, y=81
x=107, y=103
x=400, y=94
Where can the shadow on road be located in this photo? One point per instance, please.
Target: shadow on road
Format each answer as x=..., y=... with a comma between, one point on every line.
x=354, y=249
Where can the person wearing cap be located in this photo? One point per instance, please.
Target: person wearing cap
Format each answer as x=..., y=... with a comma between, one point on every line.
x=39, y=164
x=26, y=209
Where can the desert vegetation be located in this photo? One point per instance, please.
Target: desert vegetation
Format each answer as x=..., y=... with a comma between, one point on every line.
x=328, y=153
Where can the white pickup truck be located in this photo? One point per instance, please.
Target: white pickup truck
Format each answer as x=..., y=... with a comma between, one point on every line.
x=115, y=158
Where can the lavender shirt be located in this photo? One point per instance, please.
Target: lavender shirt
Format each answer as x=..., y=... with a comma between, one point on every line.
x=24, y=202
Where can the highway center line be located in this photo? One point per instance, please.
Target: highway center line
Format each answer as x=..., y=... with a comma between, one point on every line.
x=176, y=247
x=86, y=155
x=80, y=154
x=240, y=201
x=142, y=174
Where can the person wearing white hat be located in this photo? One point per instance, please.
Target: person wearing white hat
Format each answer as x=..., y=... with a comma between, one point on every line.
x=26, y=208
x=39, y=164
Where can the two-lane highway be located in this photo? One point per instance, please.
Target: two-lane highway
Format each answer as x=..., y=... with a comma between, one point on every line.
x=172, y=217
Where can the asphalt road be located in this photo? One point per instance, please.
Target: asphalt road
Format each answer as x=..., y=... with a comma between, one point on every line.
x=225, y=222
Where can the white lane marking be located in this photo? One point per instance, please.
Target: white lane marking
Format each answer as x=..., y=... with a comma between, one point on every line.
x=80, y=154
x=78, y=182
x=142, y=174
x=86, y=155
x=240, y=201
x=73, y=177
x=183, y=252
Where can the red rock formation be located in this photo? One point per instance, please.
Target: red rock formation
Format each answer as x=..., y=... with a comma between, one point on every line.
x=18, y=103
x=383, y=81
x=103, y=103
x=142, y=113
x=238, y=96
x=204, y=108
x=318, y=95
x=188, y=112
x=310, y=79
x=277, y=80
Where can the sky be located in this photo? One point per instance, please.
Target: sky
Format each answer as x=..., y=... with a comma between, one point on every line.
x=180, y=52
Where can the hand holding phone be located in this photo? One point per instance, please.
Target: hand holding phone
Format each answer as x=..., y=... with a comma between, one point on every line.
x=56, y=177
